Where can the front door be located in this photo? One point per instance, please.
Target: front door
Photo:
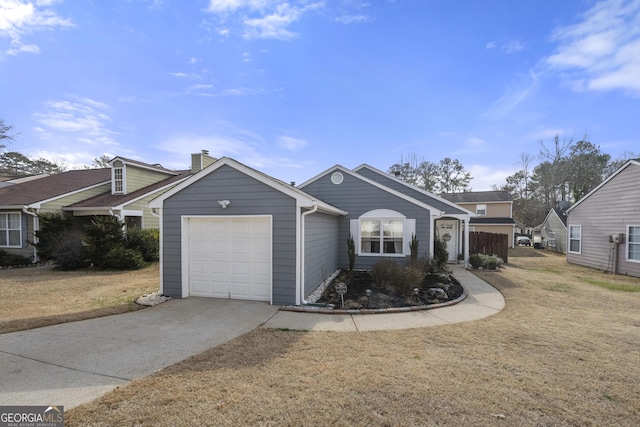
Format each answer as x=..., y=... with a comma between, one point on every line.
x=447, y=231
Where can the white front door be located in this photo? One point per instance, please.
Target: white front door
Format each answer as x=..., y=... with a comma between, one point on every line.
x=447, y=231
x=230, y=257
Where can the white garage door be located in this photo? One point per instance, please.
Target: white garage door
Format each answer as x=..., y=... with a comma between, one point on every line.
x=230, y=257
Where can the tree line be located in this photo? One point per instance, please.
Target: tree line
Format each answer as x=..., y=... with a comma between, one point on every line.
x=564, y=170
x=16, y=164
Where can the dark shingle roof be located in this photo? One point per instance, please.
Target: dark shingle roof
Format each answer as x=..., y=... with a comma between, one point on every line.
x=478, y=197
x=110, y=200
x=55, y=185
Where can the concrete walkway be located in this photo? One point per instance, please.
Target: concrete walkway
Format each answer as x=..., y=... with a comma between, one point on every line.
x=74, y=363
x=482, y=300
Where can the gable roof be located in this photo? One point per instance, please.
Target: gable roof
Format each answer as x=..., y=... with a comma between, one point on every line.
x=478, y=197
x=634, y=162
x=109, y=200
x=53, y=186
x=414, y=188
x=302, y=198
x=391, y=191
x=155, y=167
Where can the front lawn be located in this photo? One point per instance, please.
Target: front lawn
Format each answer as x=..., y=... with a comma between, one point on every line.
x=563, y=352
x=40, y=296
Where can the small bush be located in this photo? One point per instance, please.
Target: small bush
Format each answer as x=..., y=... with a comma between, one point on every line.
x=351, y=251
x=71, y=255
x=400, y=280
x=490, y=262
x=121, y=258
x=440, y=255
x=475, y=260
x=55, y=228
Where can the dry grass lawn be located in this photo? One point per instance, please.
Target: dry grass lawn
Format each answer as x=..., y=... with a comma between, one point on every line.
x=564, y=352
x=41, y=296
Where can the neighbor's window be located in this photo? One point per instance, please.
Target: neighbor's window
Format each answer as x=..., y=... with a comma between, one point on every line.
x=118, y=180
x=10, y=230
x=481, y=210
x=575, y=238
x=633, y=243
x=381, y=236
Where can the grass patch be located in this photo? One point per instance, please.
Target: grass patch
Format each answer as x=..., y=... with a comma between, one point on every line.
x=557, y=287
x=623, y=287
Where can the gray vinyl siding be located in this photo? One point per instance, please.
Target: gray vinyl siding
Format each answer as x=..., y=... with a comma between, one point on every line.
x=321, y=249
x=398, y=186
x=248, y=197
x=609, y=210
x=358, y=197
x=554, y=225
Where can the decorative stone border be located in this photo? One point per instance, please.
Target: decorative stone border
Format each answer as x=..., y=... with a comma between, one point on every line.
x=327, y=310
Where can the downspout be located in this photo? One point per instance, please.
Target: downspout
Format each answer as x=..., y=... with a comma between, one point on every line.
x=35, y=238
x=302, y=254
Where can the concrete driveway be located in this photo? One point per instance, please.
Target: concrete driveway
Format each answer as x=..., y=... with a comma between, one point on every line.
x=74, y=363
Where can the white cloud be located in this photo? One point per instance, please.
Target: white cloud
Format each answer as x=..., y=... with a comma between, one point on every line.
x=490, y=45
x=290, y=143
x=83, y=119
x=512, y=46
x=352, y=19
x=513, y=96
x=602, y=51
x=262, y=19
x=19, y=19
x=486, y=176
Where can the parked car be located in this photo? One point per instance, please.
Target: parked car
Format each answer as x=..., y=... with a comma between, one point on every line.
x=523, y=241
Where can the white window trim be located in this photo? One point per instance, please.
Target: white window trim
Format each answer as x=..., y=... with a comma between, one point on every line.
x=113, y=180
x=478, y=208
x=569, y=239
x=408, y=230
x=6, y=230
x=627, y=244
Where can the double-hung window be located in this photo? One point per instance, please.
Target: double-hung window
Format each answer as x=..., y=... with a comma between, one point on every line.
x=381, y=236
x=118, y=179
x=382, y=232
x=10, y=230
x=481, y=210
x=633, y=243
x=575, y=238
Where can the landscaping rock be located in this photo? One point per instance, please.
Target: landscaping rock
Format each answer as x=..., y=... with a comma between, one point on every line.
x=152, y=299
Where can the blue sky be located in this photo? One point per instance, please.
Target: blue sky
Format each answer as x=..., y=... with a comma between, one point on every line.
x=292, y=88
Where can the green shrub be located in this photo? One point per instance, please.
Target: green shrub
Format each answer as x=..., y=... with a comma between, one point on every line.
x=13, y=260
x=104, y=233
x=71, y=255
x=147, y=242
x=440, y=255
x=491, y=263
x=413, y=246
x=121, y=258
x=475, y=260
x=55, y=228
x=351, y=250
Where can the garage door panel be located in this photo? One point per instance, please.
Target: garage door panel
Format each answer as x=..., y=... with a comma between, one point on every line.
x=230, y=257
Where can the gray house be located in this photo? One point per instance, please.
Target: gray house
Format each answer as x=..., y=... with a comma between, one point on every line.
x=230, y=231
x=604, y=226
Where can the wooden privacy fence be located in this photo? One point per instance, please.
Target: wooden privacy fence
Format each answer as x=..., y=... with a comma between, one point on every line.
x=481, y=242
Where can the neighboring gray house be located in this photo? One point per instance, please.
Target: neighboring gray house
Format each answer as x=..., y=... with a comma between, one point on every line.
x=553, y=230
x=231, y=231
x=604, y=226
